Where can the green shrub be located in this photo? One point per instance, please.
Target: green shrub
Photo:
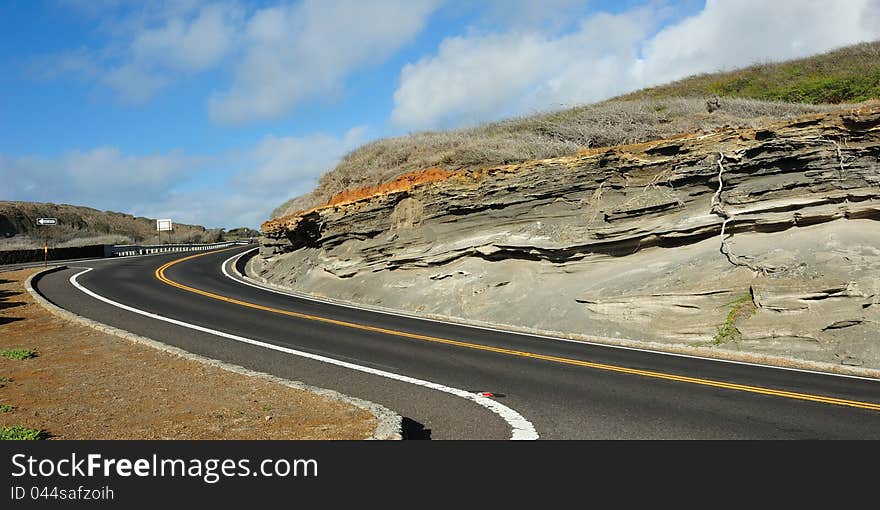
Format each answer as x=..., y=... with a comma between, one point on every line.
x=18, y=353
x=19, y=433
x=743, y=307
x=845, y=75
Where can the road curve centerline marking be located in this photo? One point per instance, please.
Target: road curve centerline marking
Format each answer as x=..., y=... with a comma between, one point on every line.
x=244, y=280
x=160, y=275
x=521, y=428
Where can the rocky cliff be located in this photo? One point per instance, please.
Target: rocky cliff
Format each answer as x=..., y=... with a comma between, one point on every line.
x=764, y=240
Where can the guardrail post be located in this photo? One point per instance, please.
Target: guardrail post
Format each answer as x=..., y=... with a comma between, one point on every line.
x=129, y=251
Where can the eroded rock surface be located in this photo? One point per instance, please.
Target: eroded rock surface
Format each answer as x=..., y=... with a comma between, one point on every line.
x=627, y=242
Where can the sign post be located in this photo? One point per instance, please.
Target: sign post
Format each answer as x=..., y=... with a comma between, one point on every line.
x=45, y=222
x=163, y=226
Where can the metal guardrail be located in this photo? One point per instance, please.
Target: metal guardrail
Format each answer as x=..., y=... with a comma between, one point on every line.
x=131, y=250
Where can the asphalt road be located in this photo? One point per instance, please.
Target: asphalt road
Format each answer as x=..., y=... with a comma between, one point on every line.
x=566, y=390
x=26, y=265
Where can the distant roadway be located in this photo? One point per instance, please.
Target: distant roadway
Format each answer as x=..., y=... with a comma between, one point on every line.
x=433, y=372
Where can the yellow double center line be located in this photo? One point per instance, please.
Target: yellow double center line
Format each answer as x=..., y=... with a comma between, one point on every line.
x=160, y=274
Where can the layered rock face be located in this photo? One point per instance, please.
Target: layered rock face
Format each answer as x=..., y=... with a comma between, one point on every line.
x=763, y=240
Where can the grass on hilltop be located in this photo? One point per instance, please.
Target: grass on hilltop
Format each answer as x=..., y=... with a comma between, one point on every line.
x=540, y=136
x=846, y=75
x=749, y=95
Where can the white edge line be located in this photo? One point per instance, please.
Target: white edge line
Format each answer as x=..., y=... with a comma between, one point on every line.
x=521, y=429
x=247, y=281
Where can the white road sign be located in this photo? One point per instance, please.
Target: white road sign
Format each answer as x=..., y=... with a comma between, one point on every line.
x=163, y=225
x=47, y=221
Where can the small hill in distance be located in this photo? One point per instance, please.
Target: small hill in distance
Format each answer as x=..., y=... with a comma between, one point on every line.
x=235, y=234
x=83, y=226
x=749, y=97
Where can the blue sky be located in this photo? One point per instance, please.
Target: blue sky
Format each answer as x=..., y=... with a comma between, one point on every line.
x=217, y=112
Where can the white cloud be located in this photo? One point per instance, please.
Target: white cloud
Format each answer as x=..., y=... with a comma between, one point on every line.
x=209, y=207
x=480, y=77
x=292, y=165
x=189, y=45
x=306, y=50
x=148, y=49
x=276, y=169
x=458, y=84
x=134, y=84
x=279, y=55
x=728, y=34
x=103, y=177
x=183, y=43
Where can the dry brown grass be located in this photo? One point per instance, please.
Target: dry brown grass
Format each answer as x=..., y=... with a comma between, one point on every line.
x=540, y=136
x=87, y=384
x=777, y=90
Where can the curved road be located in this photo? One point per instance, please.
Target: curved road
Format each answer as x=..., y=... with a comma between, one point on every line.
x=557, y=389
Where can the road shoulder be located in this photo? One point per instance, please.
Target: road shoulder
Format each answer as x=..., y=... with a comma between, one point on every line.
x=744, y=356
x=92, y=381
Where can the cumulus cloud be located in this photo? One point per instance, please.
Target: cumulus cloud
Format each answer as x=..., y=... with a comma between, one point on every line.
x=476, y=77
x=305, y=50
x=279, y=54
x=193, y=44
x=290, y=165
x=728, y=34
x=211, y=207
x=465, y=82
x=277, y=168
x=183, y=43
x=103, y=178
x=134, y=84
x=148, y=49
x=484, y=76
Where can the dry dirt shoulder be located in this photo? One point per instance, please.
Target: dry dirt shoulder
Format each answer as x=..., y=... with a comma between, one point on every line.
x=86, y=384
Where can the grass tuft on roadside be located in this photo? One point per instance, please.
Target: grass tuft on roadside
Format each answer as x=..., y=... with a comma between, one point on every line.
x=6, y=408
x=742, y=308
x=18, y=353
x=20, y=433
